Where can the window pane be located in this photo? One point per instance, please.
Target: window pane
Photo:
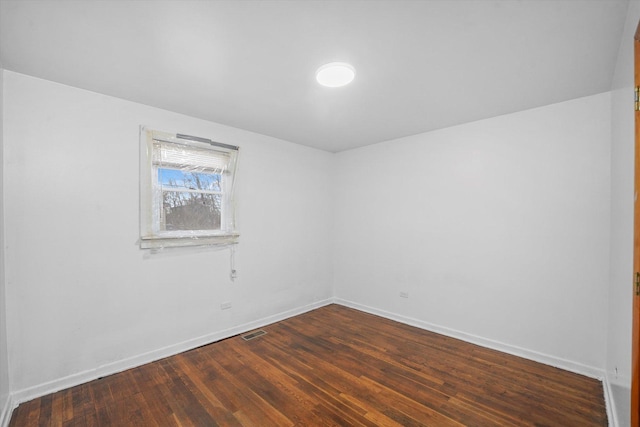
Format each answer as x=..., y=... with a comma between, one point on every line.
x=189, y=180
x=190, y=211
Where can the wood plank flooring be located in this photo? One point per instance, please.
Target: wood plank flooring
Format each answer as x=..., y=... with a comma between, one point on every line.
x=330, y=367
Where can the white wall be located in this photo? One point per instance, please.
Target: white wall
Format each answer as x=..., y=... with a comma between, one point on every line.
x=4, y=363
x=621, y=257
x=497, y=229
x=82, y=298
x=467, y=220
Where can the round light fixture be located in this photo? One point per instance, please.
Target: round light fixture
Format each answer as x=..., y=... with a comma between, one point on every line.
x=335, y=74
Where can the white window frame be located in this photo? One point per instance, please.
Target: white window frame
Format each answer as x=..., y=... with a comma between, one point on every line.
x=153, y=146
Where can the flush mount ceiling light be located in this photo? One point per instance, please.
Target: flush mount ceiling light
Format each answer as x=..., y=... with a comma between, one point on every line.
x=335, y=74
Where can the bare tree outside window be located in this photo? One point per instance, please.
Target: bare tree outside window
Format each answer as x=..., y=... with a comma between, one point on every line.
x=190, y=200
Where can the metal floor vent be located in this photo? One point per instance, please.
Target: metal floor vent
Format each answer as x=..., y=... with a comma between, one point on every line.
x=253, y=335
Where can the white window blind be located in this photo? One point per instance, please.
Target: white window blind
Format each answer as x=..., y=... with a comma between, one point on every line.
x=181, y=156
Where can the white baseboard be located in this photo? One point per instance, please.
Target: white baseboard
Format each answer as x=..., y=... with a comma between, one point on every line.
x=557, y=362
x=39, y=390
x=612, y=413
x=546, y=359
x=30, y=393
x=6, y=411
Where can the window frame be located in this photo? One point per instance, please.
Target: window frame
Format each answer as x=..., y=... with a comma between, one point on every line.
x=151, y=191
x=158, y=204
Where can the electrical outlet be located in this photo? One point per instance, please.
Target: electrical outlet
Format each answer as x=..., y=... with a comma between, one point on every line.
x=225, y=306
x=404, y=294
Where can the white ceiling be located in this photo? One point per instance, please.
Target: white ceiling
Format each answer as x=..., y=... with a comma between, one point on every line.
x=421, y=65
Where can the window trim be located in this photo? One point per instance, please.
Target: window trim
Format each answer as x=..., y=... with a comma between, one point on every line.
x=151, y=237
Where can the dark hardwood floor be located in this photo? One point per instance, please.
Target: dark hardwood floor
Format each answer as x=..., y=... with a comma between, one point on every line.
x=331, y=366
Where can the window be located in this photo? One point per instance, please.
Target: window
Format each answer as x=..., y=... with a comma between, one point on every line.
x=186, y=191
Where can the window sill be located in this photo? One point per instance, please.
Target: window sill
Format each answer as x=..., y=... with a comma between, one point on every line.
x=175, y=242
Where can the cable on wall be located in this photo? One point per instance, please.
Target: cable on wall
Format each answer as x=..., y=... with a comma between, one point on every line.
x=232, y=262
